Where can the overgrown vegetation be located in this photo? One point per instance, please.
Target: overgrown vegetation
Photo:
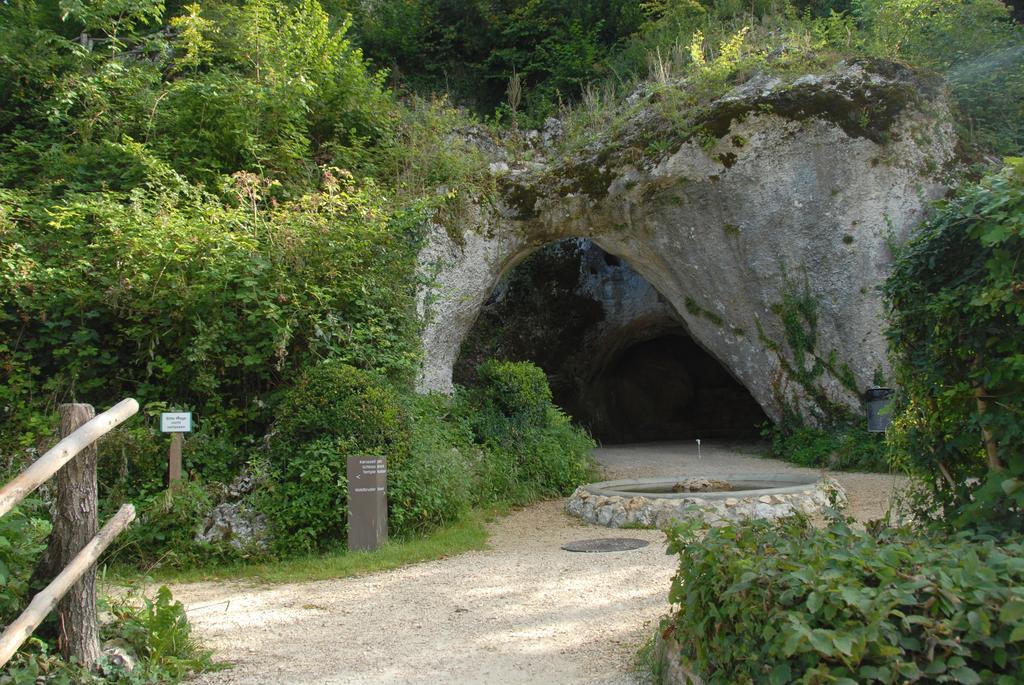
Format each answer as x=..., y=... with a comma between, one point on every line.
x=583, y=57
x=957, y=298
x=501, y=443
x=198, y=204
x=838, y=446
x=153, y=638
x=217, y=207
x=788, y=603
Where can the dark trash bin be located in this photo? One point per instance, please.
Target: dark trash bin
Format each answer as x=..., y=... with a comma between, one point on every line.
x=879, y=412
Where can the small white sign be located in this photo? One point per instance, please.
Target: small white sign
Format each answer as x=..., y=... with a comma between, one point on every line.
x=176, y=422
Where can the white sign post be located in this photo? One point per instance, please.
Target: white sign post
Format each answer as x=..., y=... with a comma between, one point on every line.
x=175, y=423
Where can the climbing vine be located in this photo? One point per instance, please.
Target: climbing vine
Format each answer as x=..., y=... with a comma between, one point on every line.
x=798, y=313
x=837, y=439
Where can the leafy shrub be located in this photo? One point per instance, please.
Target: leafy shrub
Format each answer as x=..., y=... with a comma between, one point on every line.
x=843, y=447
x=131, y=464
x=334, y=410
x=23, y=535
x=334, y=400
x=165, y=531
x=251, y=295
x=531, y=449
x=785, y=602
x=957, y=331
x=155, y=631
x=158, y=631
x=504, y=442
x=518, y=390
x=555, y=458
x=434, y=485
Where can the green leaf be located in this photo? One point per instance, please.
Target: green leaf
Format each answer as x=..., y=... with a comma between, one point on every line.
x=1012, y=611
x=844, y=643
x=793, y=641
x=814, y=602
x=966, y=675
x=781, y=675
x=853, y=597
x=821, y=640
x=1012, y=485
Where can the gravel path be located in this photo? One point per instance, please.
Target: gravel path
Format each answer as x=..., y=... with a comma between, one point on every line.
x=523, y=611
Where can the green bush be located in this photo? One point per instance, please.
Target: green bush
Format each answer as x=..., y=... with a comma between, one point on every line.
x=154, y=631
x=245, y=297
x=334, y=400
x=131, y=464
x=502, y=443
x=164, y=534
x=518, y=390
x=956, y=332
x=531, y=448
x=435, y=484
x=333, y=411
x=158, y=631
x=787, y=603
x=842, y=447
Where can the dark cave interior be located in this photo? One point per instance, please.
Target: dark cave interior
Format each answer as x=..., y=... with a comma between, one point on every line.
x=637, y=378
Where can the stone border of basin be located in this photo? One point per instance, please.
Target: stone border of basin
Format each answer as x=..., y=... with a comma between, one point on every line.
x=613, y=504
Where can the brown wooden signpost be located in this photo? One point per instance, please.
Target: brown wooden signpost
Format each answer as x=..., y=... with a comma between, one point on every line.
x=367, y=502
x=177, y=424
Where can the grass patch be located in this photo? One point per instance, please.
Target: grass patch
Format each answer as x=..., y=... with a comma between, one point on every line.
x=647, y=664
x=462, y=536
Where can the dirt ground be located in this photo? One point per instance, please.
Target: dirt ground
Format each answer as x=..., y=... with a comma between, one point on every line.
x=523, y=611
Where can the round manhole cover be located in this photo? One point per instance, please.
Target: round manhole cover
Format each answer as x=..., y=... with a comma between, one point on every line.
x=604, y=545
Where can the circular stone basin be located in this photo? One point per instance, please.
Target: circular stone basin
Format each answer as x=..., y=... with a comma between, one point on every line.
x=657, y=501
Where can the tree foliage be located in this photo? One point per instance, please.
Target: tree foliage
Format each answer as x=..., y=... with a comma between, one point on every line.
x=181, y=299
x=957, y=335
x=180, y=214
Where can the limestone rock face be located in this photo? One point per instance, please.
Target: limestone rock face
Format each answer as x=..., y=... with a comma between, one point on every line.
x=235, y=521
x=765, y=225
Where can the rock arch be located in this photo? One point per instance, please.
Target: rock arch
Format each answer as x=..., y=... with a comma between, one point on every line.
x=771, y=216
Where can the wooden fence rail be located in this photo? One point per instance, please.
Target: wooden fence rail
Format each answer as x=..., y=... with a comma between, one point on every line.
x=74, y=545
x=43, y=468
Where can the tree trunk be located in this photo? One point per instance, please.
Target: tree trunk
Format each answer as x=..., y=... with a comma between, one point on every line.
x=74, y=525
x=991, y=449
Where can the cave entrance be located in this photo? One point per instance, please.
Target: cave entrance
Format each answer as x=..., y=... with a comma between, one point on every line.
x=618, y=356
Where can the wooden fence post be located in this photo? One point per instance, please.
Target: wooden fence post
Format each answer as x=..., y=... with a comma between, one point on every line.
x=74, y=526
x=45, y=602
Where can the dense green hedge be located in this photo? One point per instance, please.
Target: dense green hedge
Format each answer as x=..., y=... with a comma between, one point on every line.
x=179, y=299
x=787, y=603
